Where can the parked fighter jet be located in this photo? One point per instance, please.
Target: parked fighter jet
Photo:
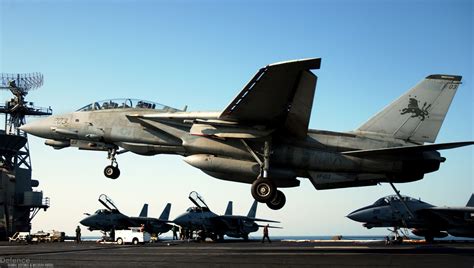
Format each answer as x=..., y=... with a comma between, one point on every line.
x=111, y=218
x=262, y=136
x=209, y=224
x=424, y=219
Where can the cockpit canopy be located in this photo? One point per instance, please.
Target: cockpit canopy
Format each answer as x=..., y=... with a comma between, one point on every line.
x=385, y=201
x=103, y=212
x=126, y=104
x=197, y=209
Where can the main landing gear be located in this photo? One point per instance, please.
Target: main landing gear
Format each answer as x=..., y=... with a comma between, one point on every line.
x=264, y=191
x=112, y=171
x=263, y=188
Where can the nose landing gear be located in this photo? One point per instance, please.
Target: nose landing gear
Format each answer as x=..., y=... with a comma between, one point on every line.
x=112, y=171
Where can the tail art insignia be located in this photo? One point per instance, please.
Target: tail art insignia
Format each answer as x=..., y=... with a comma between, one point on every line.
x=415, y=110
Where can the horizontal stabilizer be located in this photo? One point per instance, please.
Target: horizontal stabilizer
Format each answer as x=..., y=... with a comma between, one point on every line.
x=274, y=227
x=407, y=149
x=262, y=220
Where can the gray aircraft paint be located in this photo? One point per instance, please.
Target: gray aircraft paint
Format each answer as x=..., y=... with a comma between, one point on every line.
x=218, y=143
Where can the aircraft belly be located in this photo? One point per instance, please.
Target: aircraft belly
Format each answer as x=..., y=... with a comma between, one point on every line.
x=329, y=161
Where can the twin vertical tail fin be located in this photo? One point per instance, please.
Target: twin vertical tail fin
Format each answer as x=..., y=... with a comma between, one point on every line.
x=228, y=210
x=144, y=212
x=418, y=114
x=253, y=210
x=166, y=213
x=470, y=203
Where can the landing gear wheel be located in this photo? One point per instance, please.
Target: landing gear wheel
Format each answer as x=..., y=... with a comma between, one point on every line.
x=278, y=201
x=112, y=172
x=263, y=190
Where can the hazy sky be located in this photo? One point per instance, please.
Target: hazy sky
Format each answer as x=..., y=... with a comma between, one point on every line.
x=200, y=54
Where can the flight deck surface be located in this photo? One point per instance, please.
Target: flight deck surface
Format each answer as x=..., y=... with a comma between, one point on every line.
x=238, y=254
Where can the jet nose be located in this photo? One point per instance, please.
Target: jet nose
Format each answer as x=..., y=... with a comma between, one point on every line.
x=359, y=215
x=86, y=221
x=180, y=220
x=40, y=128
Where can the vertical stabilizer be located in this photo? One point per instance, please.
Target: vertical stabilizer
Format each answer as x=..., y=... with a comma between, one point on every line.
x=144, y=212
x=470, y=203
x=166, y=213
x=418, y=114
x=253, y=210
x=228, y=210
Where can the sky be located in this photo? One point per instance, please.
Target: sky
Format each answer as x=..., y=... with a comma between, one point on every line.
x=201, y=54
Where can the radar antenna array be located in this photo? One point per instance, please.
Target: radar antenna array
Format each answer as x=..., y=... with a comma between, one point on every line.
x=17, y=108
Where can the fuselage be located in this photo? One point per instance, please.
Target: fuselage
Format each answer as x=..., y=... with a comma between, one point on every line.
x=319, y=156
x=106, y=220
x=205, y=220
x=424, y=219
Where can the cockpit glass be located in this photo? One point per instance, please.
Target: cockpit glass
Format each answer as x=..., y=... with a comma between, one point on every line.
x=102, y=211
x=126, y=104
x=394, y=198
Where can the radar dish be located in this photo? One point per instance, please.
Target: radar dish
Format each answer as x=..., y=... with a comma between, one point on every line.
x=21, y=82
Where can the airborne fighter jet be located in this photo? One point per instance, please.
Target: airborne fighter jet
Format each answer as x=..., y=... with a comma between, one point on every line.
x=208, y=224
x=111, y=218
x=424, y=219
x=262, y=136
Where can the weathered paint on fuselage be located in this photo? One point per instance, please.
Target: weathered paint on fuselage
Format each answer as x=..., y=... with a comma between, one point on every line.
x=314, y=157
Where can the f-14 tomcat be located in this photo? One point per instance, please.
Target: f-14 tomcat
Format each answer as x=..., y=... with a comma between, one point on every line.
x=424, y=219
x=262, y=136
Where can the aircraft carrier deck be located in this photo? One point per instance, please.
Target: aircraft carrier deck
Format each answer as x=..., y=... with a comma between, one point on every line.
x=238, y=254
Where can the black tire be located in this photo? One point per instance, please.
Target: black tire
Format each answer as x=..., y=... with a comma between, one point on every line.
x=120, y=241
x=111, y=172
x=263, y=190
x=135, y=241
x=246, y=237
x=278, y=201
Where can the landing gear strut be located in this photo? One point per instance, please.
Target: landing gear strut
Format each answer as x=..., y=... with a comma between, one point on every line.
x=112, y=171
x=263, y=188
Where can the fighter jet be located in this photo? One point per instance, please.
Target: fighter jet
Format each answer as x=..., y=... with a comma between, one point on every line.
x=262, y=136
x=111, y=218
x=424, y=219
x=208, y=224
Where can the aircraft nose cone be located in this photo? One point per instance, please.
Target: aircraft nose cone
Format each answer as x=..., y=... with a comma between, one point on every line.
x=85, y=222
x=359, y=215
x=180, y=220
x=40, y=128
